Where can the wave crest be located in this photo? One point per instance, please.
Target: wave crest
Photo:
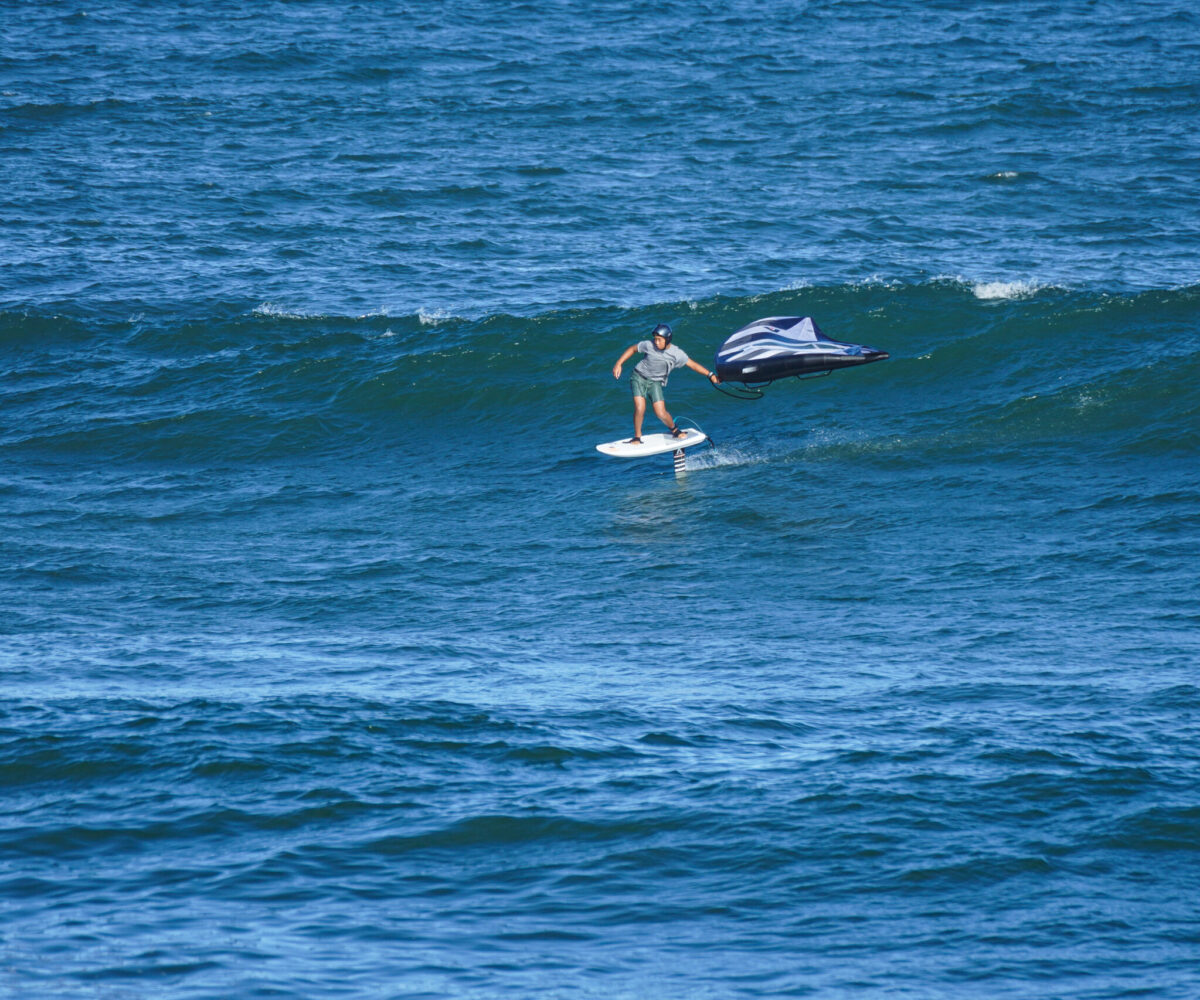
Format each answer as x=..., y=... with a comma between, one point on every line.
x=970, y=362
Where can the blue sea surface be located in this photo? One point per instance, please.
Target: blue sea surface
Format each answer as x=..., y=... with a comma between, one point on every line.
x=338, y=664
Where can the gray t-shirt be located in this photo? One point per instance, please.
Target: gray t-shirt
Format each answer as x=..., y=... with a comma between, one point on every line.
x=657, y=365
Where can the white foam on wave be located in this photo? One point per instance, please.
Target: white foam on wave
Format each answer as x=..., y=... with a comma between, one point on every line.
x=278, y=312
x=1005, y=289
x=426, y=317
x=870, y=281
x=433, y=317
x=876, y=281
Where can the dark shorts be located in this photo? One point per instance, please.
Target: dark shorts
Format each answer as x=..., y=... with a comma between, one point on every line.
x=647, y=387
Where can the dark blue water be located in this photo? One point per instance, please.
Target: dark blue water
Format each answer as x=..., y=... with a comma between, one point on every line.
x=337, y=663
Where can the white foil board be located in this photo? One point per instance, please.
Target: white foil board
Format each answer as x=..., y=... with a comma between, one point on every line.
x=652, y=444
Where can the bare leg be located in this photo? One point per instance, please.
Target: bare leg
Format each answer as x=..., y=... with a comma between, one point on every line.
x=639, y=414
x=660, y=411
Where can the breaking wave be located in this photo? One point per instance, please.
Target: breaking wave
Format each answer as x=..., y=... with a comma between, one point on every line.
x=992, y=366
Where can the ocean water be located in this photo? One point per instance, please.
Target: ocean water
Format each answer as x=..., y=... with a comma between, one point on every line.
x=336, y=662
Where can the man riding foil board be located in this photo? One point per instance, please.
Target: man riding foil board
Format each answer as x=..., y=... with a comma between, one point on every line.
x=649, y=377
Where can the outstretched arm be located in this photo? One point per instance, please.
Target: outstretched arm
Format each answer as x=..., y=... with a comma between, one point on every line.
x=712, y=376
x=628, y=353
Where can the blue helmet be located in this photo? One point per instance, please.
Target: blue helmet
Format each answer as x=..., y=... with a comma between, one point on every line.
x=662, y=330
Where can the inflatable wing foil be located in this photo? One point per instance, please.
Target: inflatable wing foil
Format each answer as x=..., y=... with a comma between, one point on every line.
x=781, y=346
